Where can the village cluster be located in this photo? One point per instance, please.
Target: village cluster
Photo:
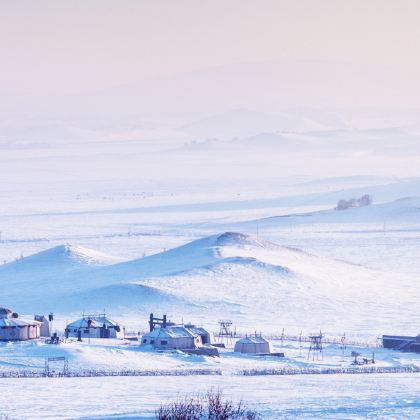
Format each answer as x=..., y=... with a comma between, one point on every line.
x=163, y=334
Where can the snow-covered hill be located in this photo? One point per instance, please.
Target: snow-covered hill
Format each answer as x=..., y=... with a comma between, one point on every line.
x=405, y=211
x=253, y=281
x=246, y=122
x=56, y=261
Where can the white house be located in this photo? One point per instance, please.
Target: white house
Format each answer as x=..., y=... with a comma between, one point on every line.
x=12, y=328
x=172, y=338
x=94, y=326
x=254, y=345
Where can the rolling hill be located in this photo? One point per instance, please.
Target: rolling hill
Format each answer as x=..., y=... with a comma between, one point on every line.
x=253, y=281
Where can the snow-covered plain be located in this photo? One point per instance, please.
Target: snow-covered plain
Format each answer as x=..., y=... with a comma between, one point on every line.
x=209, y=230
x=306, y=397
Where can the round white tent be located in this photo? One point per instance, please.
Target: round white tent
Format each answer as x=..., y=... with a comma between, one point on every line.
x=253, y=345
x=12, y=328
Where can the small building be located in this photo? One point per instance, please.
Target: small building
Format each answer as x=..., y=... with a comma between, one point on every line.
x=402, y=343
x=172, y=338
x=166, y=335
x=94, y=326
x=45, y=325
x=12, y=328
x=253, y=345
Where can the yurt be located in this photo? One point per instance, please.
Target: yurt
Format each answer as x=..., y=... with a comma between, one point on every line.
x=94, y=326
x=12, y=328
x=254, y=345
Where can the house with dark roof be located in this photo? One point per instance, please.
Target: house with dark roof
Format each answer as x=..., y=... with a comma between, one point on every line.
x=94, y=326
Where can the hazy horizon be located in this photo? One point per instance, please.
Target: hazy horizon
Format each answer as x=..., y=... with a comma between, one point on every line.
x=185, y=60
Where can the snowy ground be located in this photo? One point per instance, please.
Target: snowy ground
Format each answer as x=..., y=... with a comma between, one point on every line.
x=343, y=397
x=132, y=238
x=118, y=355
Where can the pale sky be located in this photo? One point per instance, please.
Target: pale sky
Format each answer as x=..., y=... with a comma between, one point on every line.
x=51, y=48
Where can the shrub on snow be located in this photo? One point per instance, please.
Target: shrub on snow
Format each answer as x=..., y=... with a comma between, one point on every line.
x=210, y=407
x=364, y=200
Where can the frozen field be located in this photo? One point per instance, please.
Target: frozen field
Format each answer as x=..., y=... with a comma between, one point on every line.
x=117, y=355
x=343, y=397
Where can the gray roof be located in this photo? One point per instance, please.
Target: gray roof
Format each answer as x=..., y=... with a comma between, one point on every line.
x=97, y=322
x=253, y=340
x=15, y=322
x=198, y=330
x=171, y=332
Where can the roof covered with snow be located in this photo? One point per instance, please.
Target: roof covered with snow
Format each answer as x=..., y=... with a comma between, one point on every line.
x=16, y=322
x=96, y=322
x=197, y=330
x=171, y=332
x=253, y=340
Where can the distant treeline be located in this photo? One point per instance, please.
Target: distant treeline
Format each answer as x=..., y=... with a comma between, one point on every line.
x=364, y=200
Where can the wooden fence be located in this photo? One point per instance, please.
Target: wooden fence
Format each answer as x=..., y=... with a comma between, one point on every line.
x=22, y=373
x=330, y=371
x=211, y=372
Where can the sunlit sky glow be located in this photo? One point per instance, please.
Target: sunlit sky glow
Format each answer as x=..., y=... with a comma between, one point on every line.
x=52, y=48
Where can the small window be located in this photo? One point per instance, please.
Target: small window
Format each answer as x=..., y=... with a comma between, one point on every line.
x=75, y=330
x=152, y=341
x=86, y=331
x=144, y=340
x=163, y=342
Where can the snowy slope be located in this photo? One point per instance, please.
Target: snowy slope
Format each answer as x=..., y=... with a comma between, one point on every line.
x=251, y=280
x=63, y=257
x=405, y=211
x=51, y=275
x=56, y=261
x=246, y=122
